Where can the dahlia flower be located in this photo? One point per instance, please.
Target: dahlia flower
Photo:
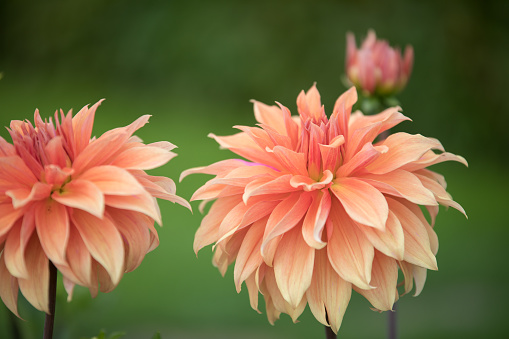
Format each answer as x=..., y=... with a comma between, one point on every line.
x=377, y=68
x=318, y=208
x=85, y=205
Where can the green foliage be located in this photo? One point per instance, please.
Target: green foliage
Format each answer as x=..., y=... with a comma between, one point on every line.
x=102, y=335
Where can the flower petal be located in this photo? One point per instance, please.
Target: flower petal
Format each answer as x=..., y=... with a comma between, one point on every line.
x=314, y=222
x=403, y=149
x=52, y=224
x=384, y=277
x=328, y=295
x=103, y=242
x=83, y=195
x=363, y=203
x=113, y=180
x=417, y=244
x=143, y=203
x=249, y=257
x=35, y=288
x=8, y=287
x=350, y=252
x=143, y=158
x=402, y=184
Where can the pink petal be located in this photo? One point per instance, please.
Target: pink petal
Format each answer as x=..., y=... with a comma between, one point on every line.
x=143, y=203
x=417, y=244
x=208, y=231
x=285, y=216
x=224, y=166
x=52, y=224
x=22, y=196
x=314, y=222
x=384, y=277
x=267, y=186
x=403, y=149
x=359, y=161
x=14, y=253
x=402, y=184
x=113, y=180
x=249, y=258
x=328, y=295
x=100, y=151
x=269, y=115
x=82, y=124
x=8, y=216
x=35, y=288
x=343, y=108
x=79, y=259
x=15, y=173
x=363, y=203
x=8, y=287
x=103, y=241
x=83, y=195
x=142, y=158
x=350, y=252
x=390, y=241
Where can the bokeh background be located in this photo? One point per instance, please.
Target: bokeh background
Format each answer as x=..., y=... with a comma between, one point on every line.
x=194, y=65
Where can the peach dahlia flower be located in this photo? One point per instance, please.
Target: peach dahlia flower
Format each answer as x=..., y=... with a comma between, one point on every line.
x=84, y=204
x=376, y=67
x=320, y=208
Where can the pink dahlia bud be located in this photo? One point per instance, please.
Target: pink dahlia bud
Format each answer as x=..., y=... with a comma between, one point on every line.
x=85, y=204
x=377, y=68
x=319, y=208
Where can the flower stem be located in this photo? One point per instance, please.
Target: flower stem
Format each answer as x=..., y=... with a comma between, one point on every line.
x=329, y=334
x=392, y=329
x=52, y=293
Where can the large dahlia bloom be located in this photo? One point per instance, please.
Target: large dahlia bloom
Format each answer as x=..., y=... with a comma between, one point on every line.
x=320, y=208
x=84, y=204
x=376, y=67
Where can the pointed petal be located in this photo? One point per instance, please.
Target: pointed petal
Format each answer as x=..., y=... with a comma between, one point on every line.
x=249, y=257
x=83, y=195
x=22, y=196
x=52, y=224
x=79, y=259
x=269, y=115
x=143, y=203
x=82, y=124
x=264, y=185
x=8, y=288
x=35, y=288
x=8, y=216
x=328, y=295
x=14, y=253
x=143, y=158
x=15, y=173
x=402, y=184
x=385, y=278
x=285, y=216
x=136, y=235
x=403, y=149
x=350, y=252
x=113, y=180
x=224, y=166
x=208, y=231
x=417, y=245
x=363, y=203
x=314, y=222
x=390, y=242
x=103, y=242
x=293, y=267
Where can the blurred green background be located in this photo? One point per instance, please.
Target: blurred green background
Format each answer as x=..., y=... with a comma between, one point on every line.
x=194, y=66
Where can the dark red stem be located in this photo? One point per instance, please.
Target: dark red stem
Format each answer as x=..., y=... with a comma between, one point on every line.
x=52, y=293
x=392, y=329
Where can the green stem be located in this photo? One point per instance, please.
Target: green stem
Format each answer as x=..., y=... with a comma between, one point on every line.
x=52, y=293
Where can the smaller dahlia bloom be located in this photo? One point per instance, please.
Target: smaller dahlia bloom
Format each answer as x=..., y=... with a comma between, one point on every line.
x=85, y=204
x=377, y=68
x=319, y=208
